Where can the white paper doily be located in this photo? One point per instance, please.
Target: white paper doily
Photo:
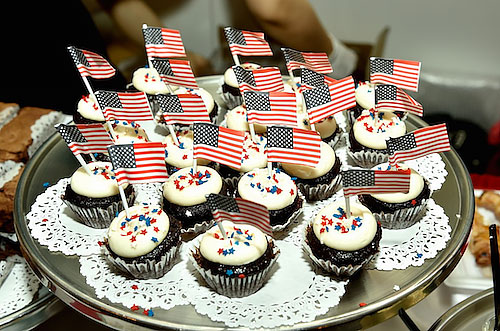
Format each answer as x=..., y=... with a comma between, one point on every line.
x=44, y=128
x=8, y=170
x=19, y=288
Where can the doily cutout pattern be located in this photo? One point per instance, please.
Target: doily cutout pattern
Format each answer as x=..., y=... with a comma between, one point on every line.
x=43, y=128
x=8, y=170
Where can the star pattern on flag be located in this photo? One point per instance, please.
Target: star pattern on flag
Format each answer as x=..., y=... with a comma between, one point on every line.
x=311, y=78
x=206, y=134
x=385, y=92
x=403, y=143
x=244, y=76
x=122, y=156
x=163, y=66
x=110, y=99
x=221, y=202
x=257, y=100
x=71, y=134
x=357, y=178
x=169, y=103
x=234, y=36
x=293, y=55
x=78, y=56
x=382, y=66
x=153, y=35
x=280, y=137
x=317, y=96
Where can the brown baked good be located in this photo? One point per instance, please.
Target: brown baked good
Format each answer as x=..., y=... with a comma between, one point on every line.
x=7, y=112
x=479, y=243
x=7, y=193
x=15, y=136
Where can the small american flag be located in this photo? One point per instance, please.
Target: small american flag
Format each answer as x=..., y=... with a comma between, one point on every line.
x=218, y=144
x=139, y=163
x=393, y=98
x=175, y=72
x=293, y=145
x=247, y=43
x=161, y=42
x=314, y=61
x=268, y=108
x=127, y=106
x=330, y=99
x=365, y=181
x=85, y=138
x=310, y=79
x=183, y=108
x=404, y=74
x=421, y=142
x=262, y=79
x=91, y=64
x=238, y=210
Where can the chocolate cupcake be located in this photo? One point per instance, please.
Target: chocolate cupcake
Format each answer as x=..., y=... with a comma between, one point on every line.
x=95, y=198
x=148, y=80
x=319, y=182
x=327, y=128
x=230, y=89
x=88, y=111
x=277, y=192
x=341, y=245
x=365, y=98
x=143, y=244
x=238, y=266
x=399, y=210
x=128, y=132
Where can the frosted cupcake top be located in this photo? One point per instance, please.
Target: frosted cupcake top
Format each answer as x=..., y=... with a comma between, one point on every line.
x=254, y=153
x=148, y=80
x=333, y=229
x=230, y=76
x=236, y=119
x=326, y=163
x=181, y=155
x=365, y=95
x=140, y=233
x=416, y=186
x=129, y=133
x=88, y=108
x=373, y=133
x=99, y=184
x=245, y=244
x=187, y=188
x=275, y=192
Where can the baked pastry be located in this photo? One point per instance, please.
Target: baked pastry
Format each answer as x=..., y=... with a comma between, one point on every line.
x=327, y=128
x=88, y=111
x=238, y=266
x=367, y=137
x=95, y=198
x=7, y=195
x=231, y=94
x=342, y=245
x=319, y=182
x=236, y=119
x=277, y=192
x=128, y=132
x=184, y=196
x=144, y=244
x=148, y=80
x=7, y=112
x=399, y=210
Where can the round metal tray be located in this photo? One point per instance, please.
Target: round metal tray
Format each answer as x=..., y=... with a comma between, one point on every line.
x=61, y=273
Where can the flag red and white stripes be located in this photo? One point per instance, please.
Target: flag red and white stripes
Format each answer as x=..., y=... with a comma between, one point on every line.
x=391, y=97
x=293, y=145
x=163, y=43
x=247, y=43
x=318, y=62
x=365, y=181
x=186, y=108
x=271, y=108
x=85, y=138
x=127, y=106
x=402, y=73
x=262, y=79
x=91, y=64
x=175, y=72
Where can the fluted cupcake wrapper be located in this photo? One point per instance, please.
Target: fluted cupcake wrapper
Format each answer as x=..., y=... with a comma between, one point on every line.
x=147, y=269
x=295, y=215
x=321, y=191
x=199, y=227
x=367, y=159
x=236, y=287
x=231, y=101
x=98, y=218
x=332, y=143
x=401, y=218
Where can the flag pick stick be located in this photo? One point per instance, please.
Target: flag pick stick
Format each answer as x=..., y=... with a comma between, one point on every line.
x=269, y=168
x=172, y=133
x=124, y=200
x=236, y=59
x=347, y=206
x=222, y=230
x=195, y=163
x=83, y=164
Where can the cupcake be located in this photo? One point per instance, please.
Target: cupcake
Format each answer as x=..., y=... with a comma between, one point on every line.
x=399, y=210
x=143, y=244
x=231, y=94
x=95, y=198
x=184, y=196
x=238, y=266
x=327, y=128
x=236, y=119
x=180, y=155
x=341, y=245
x=277, y=192
x=366, y=142
x=148, y=80
x=88, y=111
x=319, y=182
x=128, y=133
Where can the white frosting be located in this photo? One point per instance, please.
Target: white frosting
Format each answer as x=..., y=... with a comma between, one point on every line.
x=230, y=77
x=208, y=99
x=236, y=119
x=275, y=192
x=88, y=108
x=129, y=133
x=148, y=80
x=416, y=186
x=333, y=229
x=365, y=95
x=141, y=233
x=245, y=244
x=326, y=127
x=326, y=163
x=254, y=153
x=373, y=134
x=181, y=156
x=99, y=184
x=186, y=188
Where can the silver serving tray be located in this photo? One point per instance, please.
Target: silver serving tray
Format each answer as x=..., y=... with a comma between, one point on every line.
x=61, y=273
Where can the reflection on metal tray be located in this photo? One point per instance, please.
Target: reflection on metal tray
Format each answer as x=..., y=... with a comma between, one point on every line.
x=373, y=287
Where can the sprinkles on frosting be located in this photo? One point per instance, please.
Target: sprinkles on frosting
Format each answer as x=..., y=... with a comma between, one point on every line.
x=339, y=222
x=198, y=178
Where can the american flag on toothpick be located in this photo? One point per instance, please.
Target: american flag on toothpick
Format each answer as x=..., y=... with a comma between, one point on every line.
x=391, y=97
x=238, y=210
x=402, y=73
x=293, y=145
x=421, y=142
x=330, y=99
x=310, y=79
x=262, y=79
x=91, y=64
x=185, y=108
x=85, y=138
x=268, y=108
x=247, y=43
x=139, y=163
x=218, y=144
x=314, y=61
x=175, y=72
x=164, y=43
x=365, y=181
x=127, y=106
